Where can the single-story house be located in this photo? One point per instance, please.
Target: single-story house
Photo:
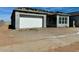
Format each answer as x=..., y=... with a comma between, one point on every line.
x=34, y=18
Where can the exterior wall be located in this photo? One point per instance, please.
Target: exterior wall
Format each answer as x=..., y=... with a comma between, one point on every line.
x=17, y=22
x=13, y=20
x=62, y=25
x=68, y=21
x=71, y=21
x=17, y=17
x=76, y=19
x=57, y=20
x=51, y=21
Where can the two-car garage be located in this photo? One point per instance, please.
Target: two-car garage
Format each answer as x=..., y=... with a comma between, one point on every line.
x=29, y=20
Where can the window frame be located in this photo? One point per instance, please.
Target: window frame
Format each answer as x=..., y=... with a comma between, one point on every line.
x=65, y=20
x=62, y=19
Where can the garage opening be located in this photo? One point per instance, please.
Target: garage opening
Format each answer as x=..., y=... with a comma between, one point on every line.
x=31, y=21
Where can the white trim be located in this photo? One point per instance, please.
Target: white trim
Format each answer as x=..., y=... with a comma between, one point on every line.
x=57, y=20
x=62, y=25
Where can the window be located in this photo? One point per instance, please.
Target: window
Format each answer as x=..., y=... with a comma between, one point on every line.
x=65, y=20
x=60, y=20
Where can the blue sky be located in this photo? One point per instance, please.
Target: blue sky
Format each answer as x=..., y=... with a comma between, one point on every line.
x=61, y=9
x=5, y=12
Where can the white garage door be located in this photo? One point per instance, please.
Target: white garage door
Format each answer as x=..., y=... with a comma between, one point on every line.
x=30, y=22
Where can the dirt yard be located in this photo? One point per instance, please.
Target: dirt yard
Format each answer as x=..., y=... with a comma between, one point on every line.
x=39, y=40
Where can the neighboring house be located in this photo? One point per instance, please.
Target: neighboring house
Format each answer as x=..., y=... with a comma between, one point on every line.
x=34, y=18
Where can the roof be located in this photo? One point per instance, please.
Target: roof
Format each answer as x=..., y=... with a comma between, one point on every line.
x=33, y=10
x=62, y=14
x=29, y=9
x=74, y=13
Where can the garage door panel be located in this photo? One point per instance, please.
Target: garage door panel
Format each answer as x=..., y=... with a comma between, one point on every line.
x=29, y=22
